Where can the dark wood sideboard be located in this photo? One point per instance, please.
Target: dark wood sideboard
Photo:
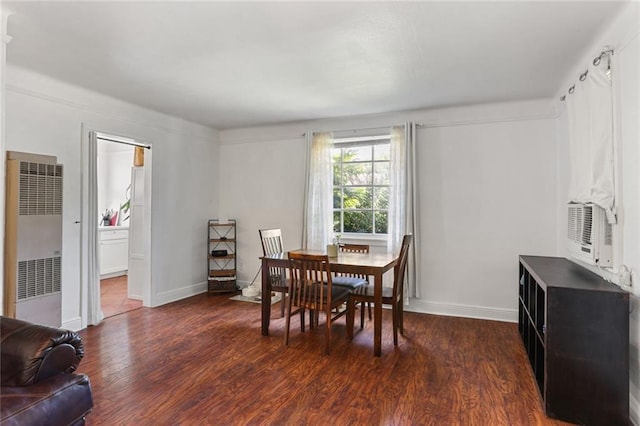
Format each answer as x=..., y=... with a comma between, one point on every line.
x=575, y=329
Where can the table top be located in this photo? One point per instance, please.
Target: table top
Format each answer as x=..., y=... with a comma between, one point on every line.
x=361, y=260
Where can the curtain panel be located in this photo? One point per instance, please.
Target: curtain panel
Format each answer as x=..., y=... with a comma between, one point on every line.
x=317, y=222
x=403, y=201
x=590, y=113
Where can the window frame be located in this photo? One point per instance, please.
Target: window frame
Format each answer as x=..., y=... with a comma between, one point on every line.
x=365, y=141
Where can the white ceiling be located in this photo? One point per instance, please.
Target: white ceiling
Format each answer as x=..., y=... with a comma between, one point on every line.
x=228, y=65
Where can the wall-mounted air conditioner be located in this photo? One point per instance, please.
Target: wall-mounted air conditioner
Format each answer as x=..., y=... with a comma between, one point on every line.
x=589, y=234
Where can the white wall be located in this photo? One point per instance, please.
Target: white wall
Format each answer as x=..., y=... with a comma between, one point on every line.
x=623, y=35
x=45, y=116
x=487, y=193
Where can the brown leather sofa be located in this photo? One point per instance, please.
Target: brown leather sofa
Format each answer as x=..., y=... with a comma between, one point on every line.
x=38, y=386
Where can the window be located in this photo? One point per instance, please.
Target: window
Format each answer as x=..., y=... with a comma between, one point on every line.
x=361, y=185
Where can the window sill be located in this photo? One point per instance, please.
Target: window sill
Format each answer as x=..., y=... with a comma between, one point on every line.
x=372, y=240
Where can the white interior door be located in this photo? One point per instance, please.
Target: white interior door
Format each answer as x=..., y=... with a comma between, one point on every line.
x=136, y=236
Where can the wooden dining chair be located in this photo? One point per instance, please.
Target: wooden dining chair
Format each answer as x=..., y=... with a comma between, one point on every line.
x=271, y=240
x=354, y=280
x=392, y=296
x=310, y=288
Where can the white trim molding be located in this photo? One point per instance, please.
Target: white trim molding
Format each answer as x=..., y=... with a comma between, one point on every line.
x=74, y=324
x=179, y=294
x=465, y=311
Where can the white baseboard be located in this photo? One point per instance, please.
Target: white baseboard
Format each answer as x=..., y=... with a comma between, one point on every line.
x=465, y=311
x=73, y=324
x=179, y=294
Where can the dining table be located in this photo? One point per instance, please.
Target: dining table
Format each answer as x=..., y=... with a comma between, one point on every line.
x=370, y=264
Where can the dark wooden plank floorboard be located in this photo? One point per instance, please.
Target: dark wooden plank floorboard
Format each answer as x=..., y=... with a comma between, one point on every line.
x=203, y=361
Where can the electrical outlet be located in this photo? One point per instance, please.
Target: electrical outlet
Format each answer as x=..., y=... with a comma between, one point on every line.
x=625, y=276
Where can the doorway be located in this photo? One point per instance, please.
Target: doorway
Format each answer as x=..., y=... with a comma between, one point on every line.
x=114, y=172
x=136, y=263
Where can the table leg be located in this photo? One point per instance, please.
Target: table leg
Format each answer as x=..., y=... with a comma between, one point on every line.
x=266, y=298
x=377, y=314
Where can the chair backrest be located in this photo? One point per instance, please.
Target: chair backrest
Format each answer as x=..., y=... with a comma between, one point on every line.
x=307, y=275
x=401, y=266
x=271, y=240
x=354, y=248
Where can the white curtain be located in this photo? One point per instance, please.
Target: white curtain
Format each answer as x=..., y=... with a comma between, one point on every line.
x=318, y=208
x=590, y=113
x=403, y=201
x=94, y=311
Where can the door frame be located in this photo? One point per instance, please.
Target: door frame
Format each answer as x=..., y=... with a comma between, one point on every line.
x=89, y=242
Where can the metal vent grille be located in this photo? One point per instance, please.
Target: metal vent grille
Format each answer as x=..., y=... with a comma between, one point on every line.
x=38, y=277
x=580, y=223
x=40, y=189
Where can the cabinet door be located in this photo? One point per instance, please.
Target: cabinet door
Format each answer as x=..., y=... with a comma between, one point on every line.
x=114, y=256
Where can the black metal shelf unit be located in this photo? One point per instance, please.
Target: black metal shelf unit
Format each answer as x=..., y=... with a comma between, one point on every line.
x=222, y=256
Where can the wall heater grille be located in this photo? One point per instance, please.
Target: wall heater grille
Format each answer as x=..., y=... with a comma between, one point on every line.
x=40, y=189
x=38, y=277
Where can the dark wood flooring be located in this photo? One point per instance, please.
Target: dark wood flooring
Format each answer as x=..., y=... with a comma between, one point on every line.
x=203, y=361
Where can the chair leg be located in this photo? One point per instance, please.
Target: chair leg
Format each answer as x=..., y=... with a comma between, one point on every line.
x=369, y=305
x=362, y=304
x=282, y=304
x=327, y=336
x=350, y=317
x=287, y=324
x=401, y=317
x=394, y=315
x=302, y=320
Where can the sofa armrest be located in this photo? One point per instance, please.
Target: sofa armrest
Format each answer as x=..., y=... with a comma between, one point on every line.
x=30, y=353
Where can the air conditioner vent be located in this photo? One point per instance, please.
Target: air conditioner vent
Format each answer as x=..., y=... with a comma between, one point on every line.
x=38, y=277
x=589, y=234
x=40, y=189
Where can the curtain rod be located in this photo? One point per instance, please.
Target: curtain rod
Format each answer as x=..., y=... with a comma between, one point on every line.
x=364, y=128
x=118, y=139
x=596, y=61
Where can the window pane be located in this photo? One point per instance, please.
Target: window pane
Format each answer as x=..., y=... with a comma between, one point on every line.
x=360, y=197
x=358, y=153
x=381, y=173
x=356, y=174
x=381, y=198
x=337, y=176
x=361, y=222
x=336, y=222
x=381, y=222
x=381, y=152
x=337, y=198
